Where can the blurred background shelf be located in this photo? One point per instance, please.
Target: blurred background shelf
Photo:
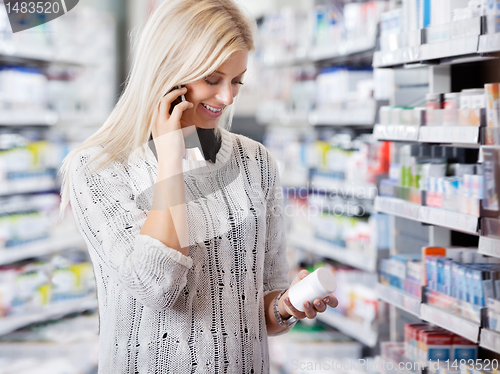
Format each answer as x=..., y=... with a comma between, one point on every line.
x=399, y=299
x=42, y=247
x=322, y=248
x=49, y=312
x=490, y=340
x=453, y=323
x=354, y=329
x=489, y=246
x=28, y=118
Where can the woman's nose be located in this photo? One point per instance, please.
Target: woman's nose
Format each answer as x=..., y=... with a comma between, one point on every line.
x=225, y=94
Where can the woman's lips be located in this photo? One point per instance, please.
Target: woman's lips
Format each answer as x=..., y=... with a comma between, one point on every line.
x=209, y=113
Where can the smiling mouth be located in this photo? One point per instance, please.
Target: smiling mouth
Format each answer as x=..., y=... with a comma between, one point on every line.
x=215, y=110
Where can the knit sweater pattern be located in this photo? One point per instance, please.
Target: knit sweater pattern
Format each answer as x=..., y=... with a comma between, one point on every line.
x=161, y=311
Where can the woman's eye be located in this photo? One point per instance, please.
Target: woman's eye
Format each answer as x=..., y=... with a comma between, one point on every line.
x=217, y=82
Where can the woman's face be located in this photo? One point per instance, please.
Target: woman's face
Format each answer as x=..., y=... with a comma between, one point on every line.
x=216, y=91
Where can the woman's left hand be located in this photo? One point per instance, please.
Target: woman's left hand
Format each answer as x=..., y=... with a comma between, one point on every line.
x=286, y=308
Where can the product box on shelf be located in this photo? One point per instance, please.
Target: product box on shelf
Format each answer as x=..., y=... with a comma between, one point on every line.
x=493, y=314
x=491, y=185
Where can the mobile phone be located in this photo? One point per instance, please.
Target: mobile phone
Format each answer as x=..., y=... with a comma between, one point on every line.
x=178, y=100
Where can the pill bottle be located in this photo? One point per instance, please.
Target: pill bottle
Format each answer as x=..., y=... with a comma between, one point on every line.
x=434, y=101
x=452, y=100
x=317, y=285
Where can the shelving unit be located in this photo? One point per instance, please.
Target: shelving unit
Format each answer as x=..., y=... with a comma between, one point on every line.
x=41, y=247
x=428, y=215
x=453, y=323
x=399, y=299
x=74, y=84
x=490, y=340
x=464, y=135
x=489, y=246
x=327, y=250
x=356, y=330
x=50, y=312
x=465, y=45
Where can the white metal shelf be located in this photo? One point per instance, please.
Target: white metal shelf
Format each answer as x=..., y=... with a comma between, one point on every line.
x=343, y=188
x=28, y=185
x=44, y=54
x=489, y=43
x=490, y=340
x=41, y=247
x=450, y=134
x=28, y=117
x=362, y=332
x=429, y=215
x=344, y=117
x=49, y=312
x=400, y=299
x=343, y=49
x=489, y=246
x=396, y=132
x=333, y=252
x=397, y=207
x=451, y=322
x=449, y=49
x=428, y=134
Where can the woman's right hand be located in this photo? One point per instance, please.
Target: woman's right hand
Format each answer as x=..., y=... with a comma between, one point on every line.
x=170, y=148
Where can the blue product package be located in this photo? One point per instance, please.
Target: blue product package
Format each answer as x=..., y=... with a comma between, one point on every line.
x=447, y=280
x=440, y=274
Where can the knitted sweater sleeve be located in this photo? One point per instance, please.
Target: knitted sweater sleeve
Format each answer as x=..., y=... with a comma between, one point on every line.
x=106, y=212
x=275, y=263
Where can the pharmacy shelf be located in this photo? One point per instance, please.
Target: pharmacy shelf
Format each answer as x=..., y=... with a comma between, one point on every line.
x=343, y=188
x=41, y=247
x=28, y=117
x=429, y=134
x=429, y=215
x=399, y=298
x=342, y=50
x=344, y=117
x=28, y=185
x=490, y=340
x=449, y=219
x=489, y=43
x=451, y=50
x=450, y=134
x=397, y=207
x=396, y=132
x=48, y=312
x=327, y=250
x=489, y=246
x=451, y=322
x=359, y=331
x=16, y=52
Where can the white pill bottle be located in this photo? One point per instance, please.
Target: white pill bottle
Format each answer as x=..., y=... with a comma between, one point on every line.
x=317, y=285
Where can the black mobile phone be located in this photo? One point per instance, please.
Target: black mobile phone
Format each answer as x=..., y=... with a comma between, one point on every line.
x=178, y=100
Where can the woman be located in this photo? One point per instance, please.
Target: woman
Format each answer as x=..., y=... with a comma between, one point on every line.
x=189, y=255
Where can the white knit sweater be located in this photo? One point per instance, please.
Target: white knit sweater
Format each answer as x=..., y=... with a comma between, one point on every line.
x=161, y=311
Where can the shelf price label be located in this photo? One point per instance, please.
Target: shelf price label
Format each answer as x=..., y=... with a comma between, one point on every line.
x=25, y=15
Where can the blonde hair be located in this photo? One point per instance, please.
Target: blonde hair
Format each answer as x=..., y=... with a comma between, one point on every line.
x=182, y=42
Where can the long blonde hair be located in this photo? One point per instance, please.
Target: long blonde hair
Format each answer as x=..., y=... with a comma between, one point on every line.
x=182, y=42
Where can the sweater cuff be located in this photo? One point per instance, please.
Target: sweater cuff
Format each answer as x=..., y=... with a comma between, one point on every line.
x=155, y=247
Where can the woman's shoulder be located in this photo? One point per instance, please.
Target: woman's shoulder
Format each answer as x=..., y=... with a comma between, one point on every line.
x=253, y=147
x=88, y=161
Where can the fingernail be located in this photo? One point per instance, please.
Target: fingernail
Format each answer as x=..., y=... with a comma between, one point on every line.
x=308, y=305
x=318, y=303
x=287, y=300
x=327, y=300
